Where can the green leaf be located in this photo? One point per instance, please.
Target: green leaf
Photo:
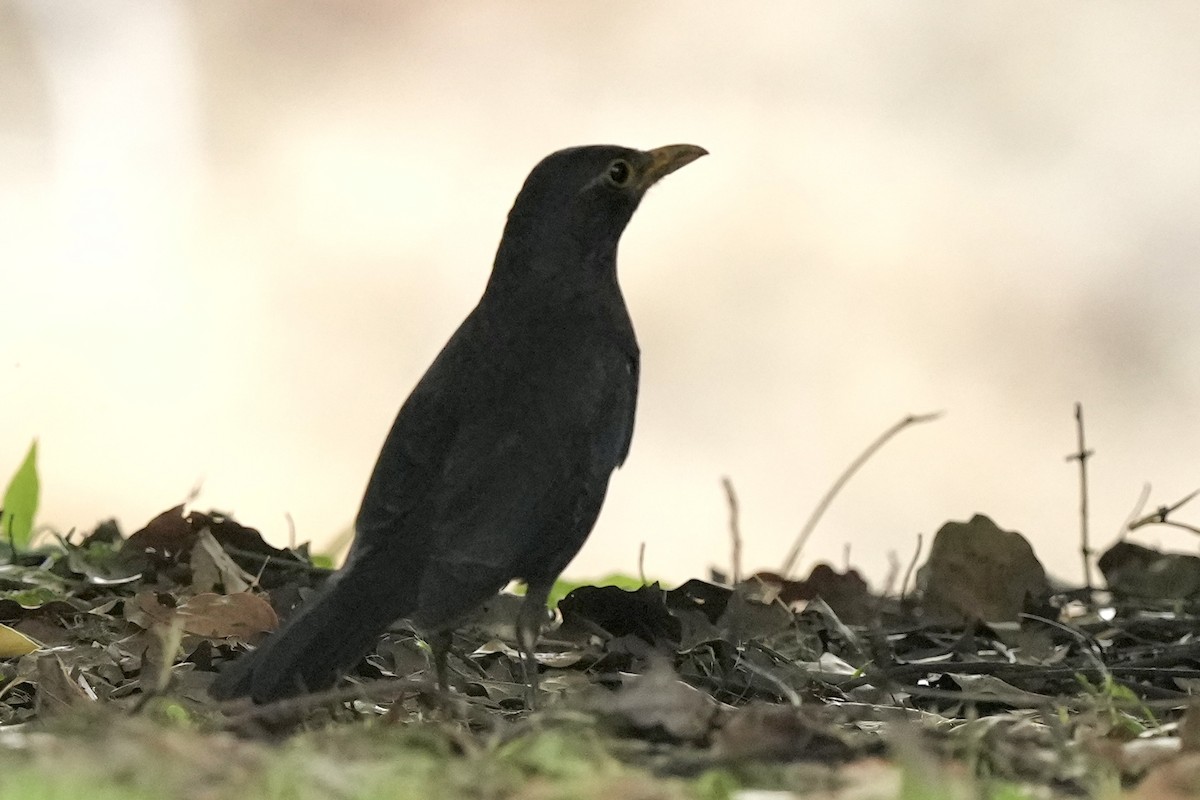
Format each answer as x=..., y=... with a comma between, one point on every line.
x=21, y=502
x=563, y=587
x=321, y=560
x=35, y=597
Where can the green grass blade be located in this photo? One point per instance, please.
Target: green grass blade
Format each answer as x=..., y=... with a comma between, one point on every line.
x=21, y=502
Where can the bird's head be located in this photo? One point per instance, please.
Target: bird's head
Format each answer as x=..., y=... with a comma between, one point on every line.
x=574, y=206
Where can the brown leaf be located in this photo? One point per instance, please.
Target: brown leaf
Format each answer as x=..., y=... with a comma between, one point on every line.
x=146, y=609
x=845, y=592
x=1177, y=779
x=1189, y=728
x=242, y=616
x=164, y=537
x=976, y=571
x=229, y=533
x=746, y=618
x=162, y=648
x=212, y=568
x=780, y=733
x=656, y=703
x=639, y=612
x=56, y=690
x=1138, y=571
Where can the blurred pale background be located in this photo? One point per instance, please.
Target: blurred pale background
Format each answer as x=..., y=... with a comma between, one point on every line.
x=233, y=234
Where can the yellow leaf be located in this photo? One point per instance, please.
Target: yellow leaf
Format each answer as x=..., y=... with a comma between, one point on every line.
x=14, y=643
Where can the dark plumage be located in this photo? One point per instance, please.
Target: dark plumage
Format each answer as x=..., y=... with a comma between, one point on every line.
x=498, y=462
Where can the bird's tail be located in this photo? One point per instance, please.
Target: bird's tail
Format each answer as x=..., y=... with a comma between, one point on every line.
x=320, y=641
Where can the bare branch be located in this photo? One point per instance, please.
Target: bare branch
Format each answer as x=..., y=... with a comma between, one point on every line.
x=1170, y=523
x=735, y=531
x=911, y=566
x=1135, y=513
x=912, y=419
x=1082, y=455
x=1162, y=512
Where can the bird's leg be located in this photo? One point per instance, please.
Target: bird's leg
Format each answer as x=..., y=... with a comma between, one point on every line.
x=439, y=643
x=529, y=627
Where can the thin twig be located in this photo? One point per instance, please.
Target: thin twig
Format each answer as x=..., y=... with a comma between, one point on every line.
x=911, y=566
x=642, y=562
x=241, y=710
x=893, y=572
x=1082, y=455
x=1013, y=700
x=1133, y=515
x=735, y=530
x=1170, y=523
x=1014, y=673
x=294, y=563
x=1159, y=517
x=785, y=691
x=855, y=465
x=1089, y=645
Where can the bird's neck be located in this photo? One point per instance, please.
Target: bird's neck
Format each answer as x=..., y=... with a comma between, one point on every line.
x=533, y=277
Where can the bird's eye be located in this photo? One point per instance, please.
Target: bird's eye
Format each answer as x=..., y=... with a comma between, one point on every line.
x=619, y=173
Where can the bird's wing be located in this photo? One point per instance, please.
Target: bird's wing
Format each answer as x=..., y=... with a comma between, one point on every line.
x=410, y=464
x=486, y=464
x=630, y=406
x=523, y=460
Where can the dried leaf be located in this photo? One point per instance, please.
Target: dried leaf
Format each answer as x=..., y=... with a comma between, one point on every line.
x=780, y=733
x=991, y=686
x=977, y=571
x=241, y=616
x=146, y=609
x=163, y=538
x=846, y=592
x=1176, y=779
x=642, y=612
x=1131, y=569
x=160, y=654
x=212, y=568
x=1189, y=729
x=57, y=691
x=658, y=704
x=14, y=644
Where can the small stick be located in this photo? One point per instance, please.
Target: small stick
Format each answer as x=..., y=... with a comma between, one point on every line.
x=1133, y=515
x=785, y=691
x=911, y=566
x=1082, y=456
x=735, y=530
x=242, y=710
x=889, y=582
x=1159, y=517
x=642, y=562
x=1170, y=523
x=855, y=465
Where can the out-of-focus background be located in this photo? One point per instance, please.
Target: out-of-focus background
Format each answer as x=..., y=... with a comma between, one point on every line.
x=233, y=234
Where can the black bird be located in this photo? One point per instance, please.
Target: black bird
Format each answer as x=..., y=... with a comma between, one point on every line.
x=497, y=464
